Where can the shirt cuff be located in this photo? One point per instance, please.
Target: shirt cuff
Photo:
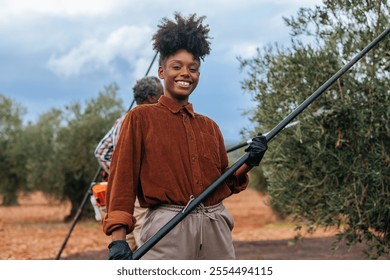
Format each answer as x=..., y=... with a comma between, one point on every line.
x=117, y=219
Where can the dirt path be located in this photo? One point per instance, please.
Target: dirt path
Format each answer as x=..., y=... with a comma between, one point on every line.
x=34, y=230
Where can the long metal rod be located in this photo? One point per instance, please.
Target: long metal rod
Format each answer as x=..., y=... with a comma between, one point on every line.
x=319, y=112
x=318, y=92
x=78, y=214
x=89, y=192
x=194, y=203
x=147, y=72
x=238, y=146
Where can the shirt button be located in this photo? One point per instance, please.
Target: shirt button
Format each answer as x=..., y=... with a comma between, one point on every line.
x=194, y=158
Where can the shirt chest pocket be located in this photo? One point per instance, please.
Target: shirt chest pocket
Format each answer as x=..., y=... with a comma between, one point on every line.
x=210, y=149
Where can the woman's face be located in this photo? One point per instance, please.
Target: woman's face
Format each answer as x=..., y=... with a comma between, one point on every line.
x=180, y=72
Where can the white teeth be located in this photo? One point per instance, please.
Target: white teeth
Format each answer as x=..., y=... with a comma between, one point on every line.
x=182, y=83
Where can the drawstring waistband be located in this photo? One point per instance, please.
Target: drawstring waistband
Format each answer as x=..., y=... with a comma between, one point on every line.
x=200, y=209
x=205, y=212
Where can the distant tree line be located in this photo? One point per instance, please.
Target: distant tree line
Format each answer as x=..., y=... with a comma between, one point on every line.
x=333, y=168
x=54, y=154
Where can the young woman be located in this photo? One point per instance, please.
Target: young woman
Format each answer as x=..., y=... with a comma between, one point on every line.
x=167, y=154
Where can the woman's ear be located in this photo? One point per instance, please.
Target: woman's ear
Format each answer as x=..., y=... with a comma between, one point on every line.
x=160, y=72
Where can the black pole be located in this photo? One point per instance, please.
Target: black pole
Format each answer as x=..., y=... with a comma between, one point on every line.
x=319, y=91
x=78, y=213
x=233, y=148
x=194, y=203
x=147, y=72
x=151, y=64
x=89, y=192
x=132, y=104
x=325, y=86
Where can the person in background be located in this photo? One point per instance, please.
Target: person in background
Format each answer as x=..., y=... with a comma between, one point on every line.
x=167, y=154
x=146, y=91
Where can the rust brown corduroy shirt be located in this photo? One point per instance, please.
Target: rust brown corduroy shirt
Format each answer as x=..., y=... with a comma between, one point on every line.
x=165, y=153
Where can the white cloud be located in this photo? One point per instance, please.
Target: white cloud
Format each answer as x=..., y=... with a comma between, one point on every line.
x=244, y=49
x=63, y=7
x=128, y=43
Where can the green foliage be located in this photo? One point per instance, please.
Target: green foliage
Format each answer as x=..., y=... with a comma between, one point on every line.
x=43, y=154
x=11, y=150
x=331, y=169
x=78, y=138
x=258, y=181
x=55, y=155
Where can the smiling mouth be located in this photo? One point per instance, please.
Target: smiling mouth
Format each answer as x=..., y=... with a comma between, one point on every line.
x=183, y=83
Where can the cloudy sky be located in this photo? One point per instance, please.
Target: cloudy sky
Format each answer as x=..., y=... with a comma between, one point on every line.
x=54, y=52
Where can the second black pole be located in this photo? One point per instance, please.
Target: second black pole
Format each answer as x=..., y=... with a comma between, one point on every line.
x=320, y=90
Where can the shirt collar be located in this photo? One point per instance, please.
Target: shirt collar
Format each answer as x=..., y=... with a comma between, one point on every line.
x=175, y=107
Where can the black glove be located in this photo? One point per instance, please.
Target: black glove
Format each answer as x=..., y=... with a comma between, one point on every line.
x=119, y=250
x=256, y=150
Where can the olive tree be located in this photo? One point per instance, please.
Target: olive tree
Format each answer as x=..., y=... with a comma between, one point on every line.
x=12, y=156
x=332, y=168
x=83, y=128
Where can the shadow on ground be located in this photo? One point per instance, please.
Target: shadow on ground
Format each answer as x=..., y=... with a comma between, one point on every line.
x=305, y=249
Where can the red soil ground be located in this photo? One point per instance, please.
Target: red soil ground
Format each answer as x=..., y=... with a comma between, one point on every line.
x=35, y=230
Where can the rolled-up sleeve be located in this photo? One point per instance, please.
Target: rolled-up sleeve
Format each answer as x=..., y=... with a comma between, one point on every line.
x=117, y=219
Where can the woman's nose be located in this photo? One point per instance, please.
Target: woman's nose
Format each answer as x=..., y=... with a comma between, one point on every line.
x=185, y=71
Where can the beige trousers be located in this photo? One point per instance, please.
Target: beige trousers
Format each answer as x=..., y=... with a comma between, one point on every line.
x=205, y=234
x=133, y=238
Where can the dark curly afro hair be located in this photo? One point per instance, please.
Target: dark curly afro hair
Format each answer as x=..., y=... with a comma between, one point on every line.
x=185, y=33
